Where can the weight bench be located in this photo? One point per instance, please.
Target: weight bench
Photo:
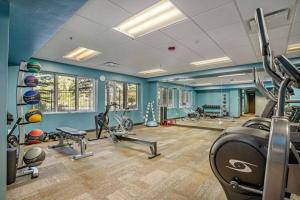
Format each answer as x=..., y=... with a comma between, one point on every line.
x=75, y=135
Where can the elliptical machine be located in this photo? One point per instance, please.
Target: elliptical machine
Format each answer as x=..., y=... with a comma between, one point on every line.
x=255, y=164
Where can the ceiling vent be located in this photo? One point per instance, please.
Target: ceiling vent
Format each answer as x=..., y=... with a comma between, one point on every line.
x=273, y=19
x=111, y=64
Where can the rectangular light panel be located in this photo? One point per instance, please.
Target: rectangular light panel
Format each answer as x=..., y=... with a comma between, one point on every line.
x=228, y=75
x=212, y=61
x=202, y=84
x=246, y=81
x=158, y=16
x=81, y=54
x=153, y=71
x=293, y=48
x=186, y=79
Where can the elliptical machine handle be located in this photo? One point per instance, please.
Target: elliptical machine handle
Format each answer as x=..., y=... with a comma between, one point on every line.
x=265, y=49
x=289, y=69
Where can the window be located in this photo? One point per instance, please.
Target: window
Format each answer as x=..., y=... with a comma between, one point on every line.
x=124, y=94
x=171, y=98
x=185, y=98
x=46, y=90
x=119, y=94
x=86, y=94
x=64, y=93
x=165, y=97
x=132, y=95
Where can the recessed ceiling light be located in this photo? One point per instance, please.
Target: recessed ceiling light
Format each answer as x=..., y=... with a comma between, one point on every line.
x=293, y=48
x=228, y=75
x=225, y=59
x=158, y=16
x=202, y=84
x=186, y=79
x=81, y=54
x=246, y=81
x=153, y=71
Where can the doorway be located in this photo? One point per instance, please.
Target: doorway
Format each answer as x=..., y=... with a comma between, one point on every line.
x=251, y=102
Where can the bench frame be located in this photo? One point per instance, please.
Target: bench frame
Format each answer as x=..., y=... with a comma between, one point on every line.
x=79, y=138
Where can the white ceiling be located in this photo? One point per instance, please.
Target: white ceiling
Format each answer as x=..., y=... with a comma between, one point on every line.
x=215, y=80
x=214, y=28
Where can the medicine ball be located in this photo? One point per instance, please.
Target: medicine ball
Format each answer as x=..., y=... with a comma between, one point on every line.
x=34, y=137
x=34, y=157
x=33, y=66
x=33, y=115
x=32, y=97
x=31, y=81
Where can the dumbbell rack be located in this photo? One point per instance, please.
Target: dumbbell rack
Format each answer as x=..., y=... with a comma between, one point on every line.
x=21, y=126
x=224, y=105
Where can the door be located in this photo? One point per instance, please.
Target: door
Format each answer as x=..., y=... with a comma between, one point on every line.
x=251, y=102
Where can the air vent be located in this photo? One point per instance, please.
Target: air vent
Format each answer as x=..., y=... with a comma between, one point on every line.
x=273, y=19
x=111, y=64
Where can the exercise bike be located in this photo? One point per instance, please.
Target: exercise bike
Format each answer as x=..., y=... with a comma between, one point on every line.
x=256, y=164
x=124, y=123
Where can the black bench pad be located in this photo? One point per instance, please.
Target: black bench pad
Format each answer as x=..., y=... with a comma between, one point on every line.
x=71, y=131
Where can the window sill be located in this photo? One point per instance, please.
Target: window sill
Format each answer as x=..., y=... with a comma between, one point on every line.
x=122, y=110
x=70, y=112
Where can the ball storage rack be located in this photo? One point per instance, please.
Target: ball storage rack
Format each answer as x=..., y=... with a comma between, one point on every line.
x=21, y=88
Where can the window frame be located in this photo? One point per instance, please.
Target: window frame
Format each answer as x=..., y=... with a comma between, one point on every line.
x=56, y=74
x=125, y=94
x=160, y=92
x=189, y=100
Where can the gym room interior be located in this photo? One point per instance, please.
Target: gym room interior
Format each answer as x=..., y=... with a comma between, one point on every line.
x=149, y=99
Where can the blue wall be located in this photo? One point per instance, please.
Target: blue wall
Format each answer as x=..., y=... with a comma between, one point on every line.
x=234, y=103
x=176, y=112
x=79, y=120
x=4, y=48
x=215, y=97
x=212, y=97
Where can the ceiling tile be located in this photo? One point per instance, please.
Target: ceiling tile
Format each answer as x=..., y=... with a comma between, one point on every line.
x=110, y=38
x=294, y=39
x=279, y=32
x=103, y=12
x=53, y=50
x=242, y=54
x=156, y=39
x=247, y=8
x=278, y=40
x=181, y=55
x=297, y=17
x=194, y=7
x=134, y=6
x=132, y=53
x=228, y=32
x=186, y=32
x=218, y=17
x=279, y=46
x=84, y=27
x=235, y=42
x=207, y=49
x=74, y=40
x=295, y=29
